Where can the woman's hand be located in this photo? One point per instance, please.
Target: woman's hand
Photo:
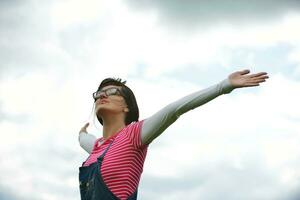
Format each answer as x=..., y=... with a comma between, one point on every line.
x=239, y=79
x=83, y=129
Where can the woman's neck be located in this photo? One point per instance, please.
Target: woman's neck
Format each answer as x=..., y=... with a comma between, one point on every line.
x=112, y=126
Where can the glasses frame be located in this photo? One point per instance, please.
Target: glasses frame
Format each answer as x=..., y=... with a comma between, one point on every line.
x=98, y=94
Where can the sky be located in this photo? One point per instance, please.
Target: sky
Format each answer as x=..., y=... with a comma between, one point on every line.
x=242, y=145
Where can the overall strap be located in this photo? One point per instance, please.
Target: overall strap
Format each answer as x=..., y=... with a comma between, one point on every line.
x=103, y=154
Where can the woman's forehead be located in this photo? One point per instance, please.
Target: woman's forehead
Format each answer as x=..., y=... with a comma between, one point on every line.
x=110, y=86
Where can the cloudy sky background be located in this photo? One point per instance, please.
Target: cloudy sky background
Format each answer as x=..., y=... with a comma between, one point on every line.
x=244, y=145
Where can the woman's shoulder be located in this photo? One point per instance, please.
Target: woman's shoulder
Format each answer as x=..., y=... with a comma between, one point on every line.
x=134, y=125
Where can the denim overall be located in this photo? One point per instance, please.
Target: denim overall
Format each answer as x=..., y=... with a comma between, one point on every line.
x=92, y=186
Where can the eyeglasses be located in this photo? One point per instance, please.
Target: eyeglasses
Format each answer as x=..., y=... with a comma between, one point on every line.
x=107, y=92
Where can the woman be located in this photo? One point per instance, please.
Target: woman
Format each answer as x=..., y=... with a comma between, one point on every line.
x=115, y=164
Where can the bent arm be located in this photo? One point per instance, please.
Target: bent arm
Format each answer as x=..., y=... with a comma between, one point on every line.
x=86, y=141
x=157, y=123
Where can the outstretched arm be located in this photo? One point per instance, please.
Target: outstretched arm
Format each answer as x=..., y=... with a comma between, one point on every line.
x=157, y=123
x=86, y=140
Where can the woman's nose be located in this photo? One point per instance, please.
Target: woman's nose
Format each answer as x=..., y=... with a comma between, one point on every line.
x=103, y=95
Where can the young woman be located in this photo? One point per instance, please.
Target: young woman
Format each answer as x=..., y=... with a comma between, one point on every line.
x=114, y=167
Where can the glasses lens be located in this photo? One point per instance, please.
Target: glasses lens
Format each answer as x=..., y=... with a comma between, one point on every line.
x=96, y=95
x=111, y=91
x=107, y=92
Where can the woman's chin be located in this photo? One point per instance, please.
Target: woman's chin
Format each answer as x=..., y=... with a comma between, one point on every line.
x=101, y=110
x=99, y=107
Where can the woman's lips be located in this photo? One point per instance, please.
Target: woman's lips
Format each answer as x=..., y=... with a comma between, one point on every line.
x=103, y=101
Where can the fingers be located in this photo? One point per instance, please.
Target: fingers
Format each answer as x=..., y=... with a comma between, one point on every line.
x=254, y=82
x=258, y=75
x=259, y=79
x=251, y=85
x=243, y=80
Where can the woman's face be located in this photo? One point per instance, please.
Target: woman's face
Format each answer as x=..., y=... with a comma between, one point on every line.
x=110, y=101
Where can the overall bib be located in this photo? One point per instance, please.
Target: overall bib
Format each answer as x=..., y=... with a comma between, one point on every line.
x=92, y=186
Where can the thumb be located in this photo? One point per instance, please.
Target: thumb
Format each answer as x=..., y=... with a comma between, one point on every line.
x=83, y=129
x=86, y=125
x=245, y=71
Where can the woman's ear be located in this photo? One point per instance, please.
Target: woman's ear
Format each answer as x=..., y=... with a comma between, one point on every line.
x=126, y=109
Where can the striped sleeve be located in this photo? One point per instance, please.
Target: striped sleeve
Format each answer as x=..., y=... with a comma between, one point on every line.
x=134, y=134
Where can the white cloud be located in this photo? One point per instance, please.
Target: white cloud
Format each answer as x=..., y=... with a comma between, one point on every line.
x=68, y=13
x=198, y=14
x=245, y=135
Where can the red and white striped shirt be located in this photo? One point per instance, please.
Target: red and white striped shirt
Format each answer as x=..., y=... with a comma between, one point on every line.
x=122, y=165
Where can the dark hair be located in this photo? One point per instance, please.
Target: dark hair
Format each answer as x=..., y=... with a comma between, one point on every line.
x=133, y=114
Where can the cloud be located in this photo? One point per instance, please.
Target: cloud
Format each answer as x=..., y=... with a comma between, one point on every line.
x=53, y=55
x=193, y=13
x=219, y=180
x=294, y=196
x=6, y=195
x=27, y=42
x=43, y=166
x=272, y=59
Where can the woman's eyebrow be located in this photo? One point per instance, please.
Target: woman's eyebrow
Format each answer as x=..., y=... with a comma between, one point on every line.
x=108, y=88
